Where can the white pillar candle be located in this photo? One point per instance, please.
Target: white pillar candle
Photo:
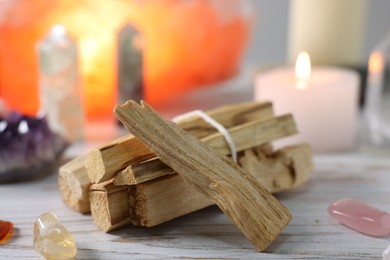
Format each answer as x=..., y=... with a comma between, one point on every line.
x=332, y=31
x=323, y=103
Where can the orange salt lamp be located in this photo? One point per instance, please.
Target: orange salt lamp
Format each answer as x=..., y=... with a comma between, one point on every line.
x=186, y=44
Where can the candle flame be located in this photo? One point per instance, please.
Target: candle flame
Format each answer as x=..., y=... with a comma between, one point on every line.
x=302, y=69
x=375, y=63
x=303, y=66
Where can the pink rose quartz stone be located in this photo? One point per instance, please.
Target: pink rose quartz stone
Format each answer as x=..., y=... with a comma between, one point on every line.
x=361, y=217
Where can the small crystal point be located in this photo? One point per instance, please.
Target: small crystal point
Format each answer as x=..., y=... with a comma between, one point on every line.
x=51, y=239
x=361, y=217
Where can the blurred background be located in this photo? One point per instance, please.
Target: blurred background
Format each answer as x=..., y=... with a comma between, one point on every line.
x=274, y=24
x=75, y=60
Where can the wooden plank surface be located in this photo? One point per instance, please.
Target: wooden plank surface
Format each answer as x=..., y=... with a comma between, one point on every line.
x=208, y=233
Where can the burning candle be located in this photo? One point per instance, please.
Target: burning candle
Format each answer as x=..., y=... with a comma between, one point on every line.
x=315, y=26
x=323, y=101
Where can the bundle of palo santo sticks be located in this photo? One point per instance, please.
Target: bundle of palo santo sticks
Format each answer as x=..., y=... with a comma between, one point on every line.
x=164, y=170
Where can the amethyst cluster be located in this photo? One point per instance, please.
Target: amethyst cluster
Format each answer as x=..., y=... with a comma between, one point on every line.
x=28, y=148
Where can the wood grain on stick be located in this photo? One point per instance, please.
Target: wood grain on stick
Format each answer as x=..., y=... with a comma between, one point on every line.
x=105, y=162
x=74, y=184
x=258, y=214
x=109, y=205
x=163, y=199
x=228, y=116
x=142, y=172
x=168, y=197
x=245, y=136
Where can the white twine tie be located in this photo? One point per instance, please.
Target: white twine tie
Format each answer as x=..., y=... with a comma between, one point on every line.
x=215, y=124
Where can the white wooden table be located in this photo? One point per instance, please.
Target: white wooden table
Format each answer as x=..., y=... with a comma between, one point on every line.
x=208, y=233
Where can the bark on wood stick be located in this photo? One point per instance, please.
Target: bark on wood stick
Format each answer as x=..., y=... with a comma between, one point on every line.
x=245, y=136
x=258, y=214
x=280, y=171
x=74, y=184
x=105, y=162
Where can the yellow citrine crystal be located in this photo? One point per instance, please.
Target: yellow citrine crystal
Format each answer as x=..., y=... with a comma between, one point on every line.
x=51, y=239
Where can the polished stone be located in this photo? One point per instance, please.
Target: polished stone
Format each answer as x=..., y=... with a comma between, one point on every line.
x=361, y=217
x=29, y=148
x=51, y=239
x=6, y=230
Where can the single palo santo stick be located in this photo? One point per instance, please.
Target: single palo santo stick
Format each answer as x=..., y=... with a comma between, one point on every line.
x=258, y=214
x=168, y=197
x=105, y=162
x=228, y=116
x=74, y=184
x=245, y=136
x=109, y=205
x=163, y=199
x=142, y=172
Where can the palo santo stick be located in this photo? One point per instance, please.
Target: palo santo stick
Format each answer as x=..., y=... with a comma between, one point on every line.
x=157, y=201
x=245, y=136
x=142, y=172
x=228, y=116
x=74, y=180
x=105, y=162
x=258, y=214
x=168, y=197
x=74, y=184
x=287, y=168
x=109, y=205
x=162, y=199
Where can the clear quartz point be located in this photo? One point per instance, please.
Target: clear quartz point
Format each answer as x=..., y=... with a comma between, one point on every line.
x=59, y=82
x=130, y=64
x=51, y=239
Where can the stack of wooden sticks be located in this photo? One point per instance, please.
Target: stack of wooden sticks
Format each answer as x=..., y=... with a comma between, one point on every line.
x=123, y=182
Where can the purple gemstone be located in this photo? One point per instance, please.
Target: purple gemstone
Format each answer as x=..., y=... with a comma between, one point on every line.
x=28, y=148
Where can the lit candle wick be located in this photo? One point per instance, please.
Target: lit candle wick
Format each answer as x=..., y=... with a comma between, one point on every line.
x=375, y=63
x=302, y=69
